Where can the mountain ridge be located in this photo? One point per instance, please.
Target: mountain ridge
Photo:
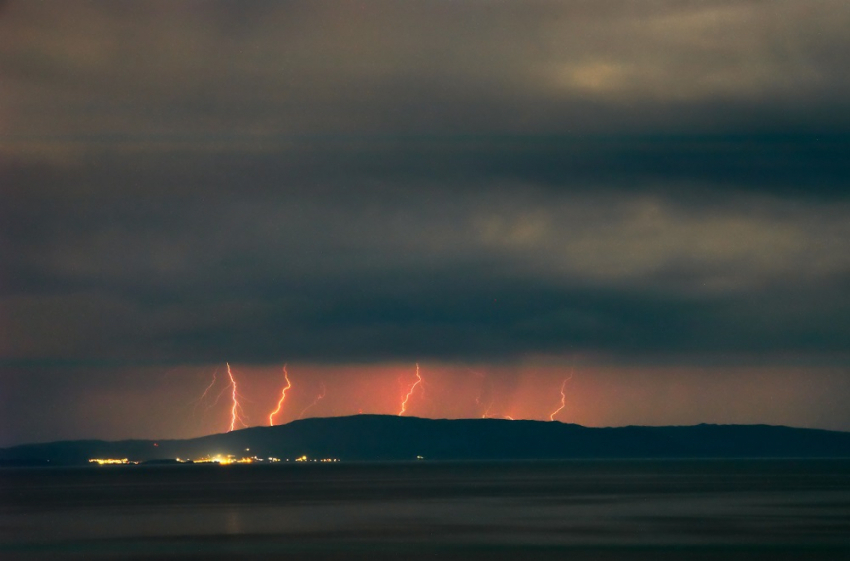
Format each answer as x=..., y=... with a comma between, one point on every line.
x=392, y=438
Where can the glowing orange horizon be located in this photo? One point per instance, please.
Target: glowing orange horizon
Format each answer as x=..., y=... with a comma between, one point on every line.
x=282, y=397
x=410, y=392
x=486, y=402
x=522, y=391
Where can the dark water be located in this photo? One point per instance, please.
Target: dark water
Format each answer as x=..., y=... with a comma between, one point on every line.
x=764, y=509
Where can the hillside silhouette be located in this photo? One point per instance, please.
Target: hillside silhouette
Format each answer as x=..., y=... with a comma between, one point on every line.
x=391, y=438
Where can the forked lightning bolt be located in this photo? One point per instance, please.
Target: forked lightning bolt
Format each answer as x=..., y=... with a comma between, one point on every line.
x=282, y=397
x=235, y=409
x=410, y=392
x=315, y=401
x=206, y=391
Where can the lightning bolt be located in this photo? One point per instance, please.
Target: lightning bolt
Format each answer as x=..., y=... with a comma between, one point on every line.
x=410, y=392
x=486, y=413
x=509, y=418
x=218, y=397
x=478, y=397
x=206, y=391
x=282, y=397
x=563, y=398
x=315, y=401
x=235, y=409
x=480, y=389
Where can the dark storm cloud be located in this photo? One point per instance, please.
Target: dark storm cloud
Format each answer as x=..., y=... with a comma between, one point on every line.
x=370, y=266
x=335, y=67
x=187, y=181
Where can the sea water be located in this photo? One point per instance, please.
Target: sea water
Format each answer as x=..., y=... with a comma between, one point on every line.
x=700, y=509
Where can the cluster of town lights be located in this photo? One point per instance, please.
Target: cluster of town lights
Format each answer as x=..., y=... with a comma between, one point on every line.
x=112, y=461
x=217, y=459
x=306, y=459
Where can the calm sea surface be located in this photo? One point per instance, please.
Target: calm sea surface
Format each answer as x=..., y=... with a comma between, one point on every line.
x=761, y=509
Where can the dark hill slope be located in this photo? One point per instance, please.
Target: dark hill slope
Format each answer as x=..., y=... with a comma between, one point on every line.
x=379, y=437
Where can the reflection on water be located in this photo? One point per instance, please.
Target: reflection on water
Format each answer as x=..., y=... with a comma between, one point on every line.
x=580, y=509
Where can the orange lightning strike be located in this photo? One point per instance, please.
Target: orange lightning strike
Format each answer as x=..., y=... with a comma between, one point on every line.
x=206, y=391
x=315, y=401
x=410, y=392
x=486, y=413
x=236, y=408
x=282, y=397
x=563, y=398
x=481, y=393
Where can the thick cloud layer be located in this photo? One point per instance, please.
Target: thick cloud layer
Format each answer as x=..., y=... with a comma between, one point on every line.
x=373, y=180
x=194, y=181
x=216, y=68
x=204, y=254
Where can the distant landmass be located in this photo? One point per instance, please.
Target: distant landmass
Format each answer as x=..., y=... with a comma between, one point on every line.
x=390, y=438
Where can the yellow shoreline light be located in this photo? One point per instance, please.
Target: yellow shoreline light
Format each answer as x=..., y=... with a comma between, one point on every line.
x=111, y=461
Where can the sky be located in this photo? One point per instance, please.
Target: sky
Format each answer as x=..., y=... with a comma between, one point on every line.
x=648, y=200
